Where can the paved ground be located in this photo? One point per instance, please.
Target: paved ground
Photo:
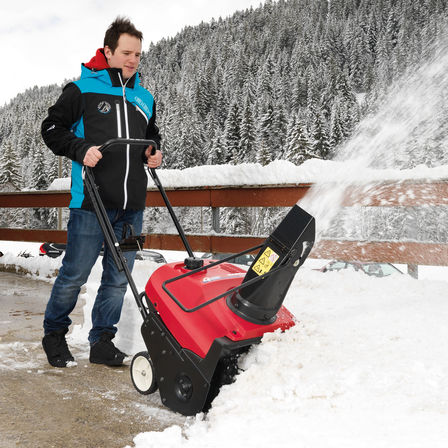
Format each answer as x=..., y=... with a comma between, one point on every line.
x=84, y=406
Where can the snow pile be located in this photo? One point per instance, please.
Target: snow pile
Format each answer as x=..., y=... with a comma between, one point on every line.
x=281, y=172
x=284, y=172
x=41, y=268
x=366, y=366
x=128, y=337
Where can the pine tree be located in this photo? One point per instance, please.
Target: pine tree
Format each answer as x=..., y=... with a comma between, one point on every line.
x=192, y=144
x=247, y=139
x=39, y=179
x=278, y=131
x=211, y=129
x=336, y=129
x=383, y=66
x=264, y=87
x=320, y=142
x=298, y=146
x=169, y=126
x=51, y=165
x=10, y=178
x=232, y=133
x=299, y=92
x=26, y=139
x=203, y=94
x=218, y=154
x=265, y=147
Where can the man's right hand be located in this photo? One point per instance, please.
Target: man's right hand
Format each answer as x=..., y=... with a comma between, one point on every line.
x=92, y=156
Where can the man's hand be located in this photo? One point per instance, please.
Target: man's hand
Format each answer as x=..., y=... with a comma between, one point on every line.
x=92, y=156
x=153, y=160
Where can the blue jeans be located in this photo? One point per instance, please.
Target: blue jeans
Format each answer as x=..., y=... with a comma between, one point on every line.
x=84, y=241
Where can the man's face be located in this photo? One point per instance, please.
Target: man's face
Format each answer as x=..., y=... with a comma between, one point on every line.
x=126, y=56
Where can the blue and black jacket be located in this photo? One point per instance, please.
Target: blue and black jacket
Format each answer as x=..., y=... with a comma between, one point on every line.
x=92, y=110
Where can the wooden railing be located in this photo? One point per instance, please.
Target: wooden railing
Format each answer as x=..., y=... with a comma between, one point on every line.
x=405, y=194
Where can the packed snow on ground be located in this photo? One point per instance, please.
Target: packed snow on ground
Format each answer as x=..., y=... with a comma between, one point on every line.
x=365, y=366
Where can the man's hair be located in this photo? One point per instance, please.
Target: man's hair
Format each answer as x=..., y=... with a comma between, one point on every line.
x=121, y=25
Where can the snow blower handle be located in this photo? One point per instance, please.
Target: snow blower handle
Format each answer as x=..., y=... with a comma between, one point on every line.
x=192, y=261
x=105, y=224
x=127, y=141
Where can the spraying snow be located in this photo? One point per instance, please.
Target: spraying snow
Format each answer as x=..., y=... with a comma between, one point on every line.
x=407, y=130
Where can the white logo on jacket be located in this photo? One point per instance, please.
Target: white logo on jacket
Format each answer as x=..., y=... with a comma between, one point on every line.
x=104, y=107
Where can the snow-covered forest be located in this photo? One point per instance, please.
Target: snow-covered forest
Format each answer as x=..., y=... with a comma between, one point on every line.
x=288, y=80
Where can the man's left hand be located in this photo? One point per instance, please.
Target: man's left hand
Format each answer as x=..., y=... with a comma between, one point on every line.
x=153, y=160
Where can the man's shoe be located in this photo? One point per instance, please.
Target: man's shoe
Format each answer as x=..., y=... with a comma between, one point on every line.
x=55, y=346
x=104, y=351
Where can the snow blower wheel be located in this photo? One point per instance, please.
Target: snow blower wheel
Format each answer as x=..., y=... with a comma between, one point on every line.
x=142, y=374
x=183, y=387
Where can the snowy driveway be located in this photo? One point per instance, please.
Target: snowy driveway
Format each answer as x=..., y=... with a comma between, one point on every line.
x=85, y=406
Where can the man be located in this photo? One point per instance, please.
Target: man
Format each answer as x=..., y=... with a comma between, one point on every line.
x=107, y=102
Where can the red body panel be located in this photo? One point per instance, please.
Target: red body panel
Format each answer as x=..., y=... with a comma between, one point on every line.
x=197, y=330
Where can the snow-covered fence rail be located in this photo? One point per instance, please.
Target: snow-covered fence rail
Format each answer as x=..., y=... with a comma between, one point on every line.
x=387, y=194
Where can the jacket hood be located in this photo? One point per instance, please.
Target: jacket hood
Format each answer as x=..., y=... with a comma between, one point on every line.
x=98, y=62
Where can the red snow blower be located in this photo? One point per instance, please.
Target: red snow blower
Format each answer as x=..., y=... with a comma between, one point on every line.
x=199, y=315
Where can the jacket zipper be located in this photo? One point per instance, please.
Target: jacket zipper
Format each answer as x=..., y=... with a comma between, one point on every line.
x=117, y=107
x=126, y=122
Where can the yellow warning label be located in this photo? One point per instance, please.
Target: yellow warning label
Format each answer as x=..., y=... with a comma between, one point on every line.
x=265, y=262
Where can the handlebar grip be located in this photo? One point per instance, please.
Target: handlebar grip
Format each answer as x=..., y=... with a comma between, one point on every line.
x=127, y=141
